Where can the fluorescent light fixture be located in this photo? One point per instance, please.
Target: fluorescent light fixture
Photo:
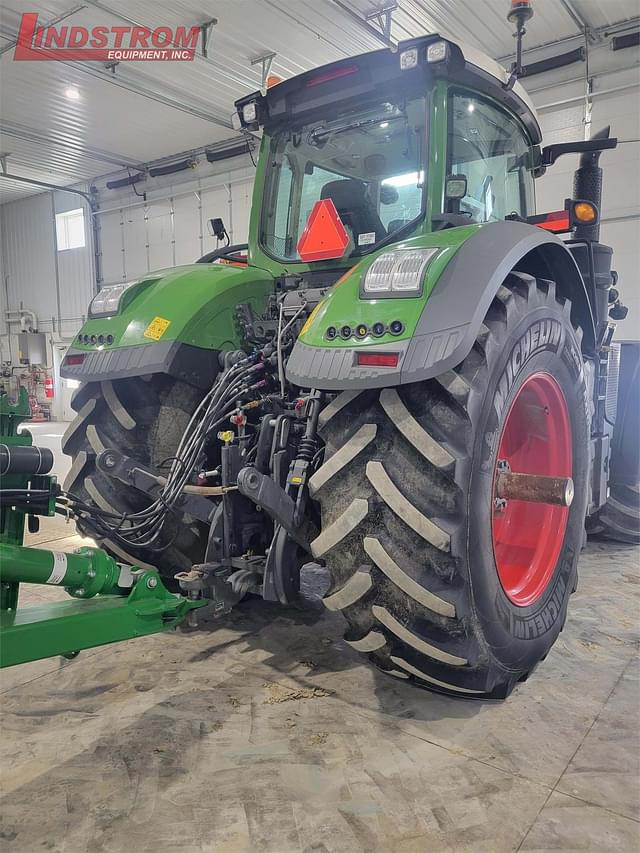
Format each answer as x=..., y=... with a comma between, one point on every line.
x=384, y=124
x=404, y=180
x=73, y=93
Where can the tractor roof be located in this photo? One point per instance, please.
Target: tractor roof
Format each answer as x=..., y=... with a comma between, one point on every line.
x=356, y=77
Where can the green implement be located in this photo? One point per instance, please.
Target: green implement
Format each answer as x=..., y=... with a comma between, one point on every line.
x=125, y=601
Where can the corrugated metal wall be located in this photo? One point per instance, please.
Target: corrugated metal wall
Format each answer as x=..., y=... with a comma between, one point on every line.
x=621, y=198
x=28, y=246
x=171, y=229
x=57, y=286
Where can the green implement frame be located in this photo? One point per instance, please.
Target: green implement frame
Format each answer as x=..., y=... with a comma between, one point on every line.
x=111, y=602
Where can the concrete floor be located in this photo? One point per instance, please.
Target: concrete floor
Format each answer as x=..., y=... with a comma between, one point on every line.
x=266, y=733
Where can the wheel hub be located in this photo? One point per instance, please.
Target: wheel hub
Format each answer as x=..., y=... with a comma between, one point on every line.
x=532, y=489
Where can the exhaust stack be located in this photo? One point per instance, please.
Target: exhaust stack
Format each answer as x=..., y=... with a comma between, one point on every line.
x=587, y=186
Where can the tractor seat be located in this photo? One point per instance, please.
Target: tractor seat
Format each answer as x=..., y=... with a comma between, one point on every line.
x=354, y=207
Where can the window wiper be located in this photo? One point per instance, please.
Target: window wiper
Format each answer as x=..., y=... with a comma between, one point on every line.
x=316, y=135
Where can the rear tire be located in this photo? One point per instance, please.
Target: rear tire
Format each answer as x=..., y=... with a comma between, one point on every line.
x=144, y=418
x=619, y=518
x=406, y=496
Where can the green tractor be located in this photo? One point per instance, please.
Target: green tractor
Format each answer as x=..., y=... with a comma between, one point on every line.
x=404, y=376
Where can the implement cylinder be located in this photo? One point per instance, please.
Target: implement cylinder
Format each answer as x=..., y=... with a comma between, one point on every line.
x=85, y=573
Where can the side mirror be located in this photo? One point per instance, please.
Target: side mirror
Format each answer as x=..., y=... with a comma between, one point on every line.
x=551, y=152
x=217, y=229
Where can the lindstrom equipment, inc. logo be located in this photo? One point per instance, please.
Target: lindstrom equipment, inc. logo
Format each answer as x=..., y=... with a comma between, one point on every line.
x=102, y=43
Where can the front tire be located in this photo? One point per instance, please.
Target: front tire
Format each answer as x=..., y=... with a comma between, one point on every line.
x=408, y=505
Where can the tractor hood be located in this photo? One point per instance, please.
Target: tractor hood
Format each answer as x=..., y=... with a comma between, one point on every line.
x=173, y=321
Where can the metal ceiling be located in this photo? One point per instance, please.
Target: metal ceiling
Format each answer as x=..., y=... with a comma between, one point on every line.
x=146, y=111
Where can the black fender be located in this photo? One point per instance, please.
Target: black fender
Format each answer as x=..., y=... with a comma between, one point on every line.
x=454, y=312
x=460, y=300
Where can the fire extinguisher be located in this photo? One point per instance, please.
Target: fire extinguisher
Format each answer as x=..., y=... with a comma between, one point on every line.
x=48, y=387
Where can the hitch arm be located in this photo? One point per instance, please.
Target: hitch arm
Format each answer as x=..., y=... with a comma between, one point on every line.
x=265, y=492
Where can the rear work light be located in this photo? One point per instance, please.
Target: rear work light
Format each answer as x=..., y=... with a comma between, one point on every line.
x=438, y=51
x=377, y=359
x=409, y=59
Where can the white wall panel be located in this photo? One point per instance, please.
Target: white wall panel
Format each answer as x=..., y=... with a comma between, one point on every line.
x=620, y=211
x=621, y=199
x=136, y=254
x=187, y=228
x=111, y=232
x=160, y=238
x=30, y=255
x=241, y=207
x=139, y=238
x=76, y=278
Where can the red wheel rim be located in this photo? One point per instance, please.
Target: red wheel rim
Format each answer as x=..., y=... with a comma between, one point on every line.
x=528, y=537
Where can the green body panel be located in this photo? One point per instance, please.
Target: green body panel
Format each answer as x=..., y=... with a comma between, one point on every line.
x=198, y=300
x=343, y=304
x=65, y=627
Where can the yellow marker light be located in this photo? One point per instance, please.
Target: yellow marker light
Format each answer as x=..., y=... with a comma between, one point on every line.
x=585, y=212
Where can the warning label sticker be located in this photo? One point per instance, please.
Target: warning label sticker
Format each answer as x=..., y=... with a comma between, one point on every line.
x=156, y=328
x=59, y=568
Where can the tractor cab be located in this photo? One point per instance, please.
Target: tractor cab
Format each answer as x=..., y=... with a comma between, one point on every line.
x=388, y=145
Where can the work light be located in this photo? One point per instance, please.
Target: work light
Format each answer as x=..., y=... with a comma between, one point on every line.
x=107, y=301
x=398, y=272
x=437, y=52
x=409, y=59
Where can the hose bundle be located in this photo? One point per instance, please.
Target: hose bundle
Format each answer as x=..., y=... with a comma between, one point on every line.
x=143, y=529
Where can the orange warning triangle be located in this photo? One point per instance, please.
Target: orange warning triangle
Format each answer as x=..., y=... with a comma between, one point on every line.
x=324, y=235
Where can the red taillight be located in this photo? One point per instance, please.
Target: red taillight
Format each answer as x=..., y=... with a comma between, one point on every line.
x=558, y=222
x=344, y=71
x=377, y=359
x=74, y=359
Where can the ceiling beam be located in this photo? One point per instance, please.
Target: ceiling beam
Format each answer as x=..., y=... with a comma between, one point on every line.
x=45, y=185
x=13, y=42
x=373, y=31
x=138, y=89
x=30, y=134
x=578, y=19
x=233, y=78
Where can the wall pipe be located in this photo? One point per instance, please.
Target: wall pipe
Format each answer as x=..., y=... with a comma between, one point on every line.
x=578, y=98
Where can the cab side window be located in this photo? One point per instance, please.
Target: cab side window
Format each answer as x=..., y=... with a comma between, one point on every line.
x=492, y=150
